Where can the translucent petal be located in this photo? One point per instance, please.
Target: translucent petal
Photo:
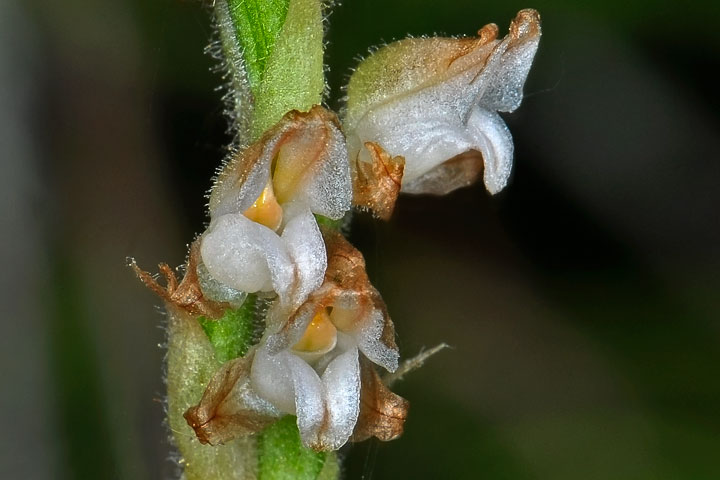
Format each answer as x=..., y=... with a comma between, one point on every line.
x=246, y=256
x=402, y=69
x=217, y=291
x=306, y=247
x=241, y=181
x=307, y=155
x=369, y=341
x=506, y=77
x=290, y=384
x=325, y=184
x=341, y=379
x=424, y=139
x=493, y=139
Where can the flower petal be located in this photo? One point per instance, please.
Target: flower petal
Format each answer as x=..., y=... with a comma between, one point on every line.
x=289, y=329
x=504, y=91
x=242, y=179
x=401, y=70
x=247, y=256
x=341, y=380
x=460, y=171
x=425, y=137
x=287, y=381
x=492, y=137
x=306, y=247
x=312, y=164
x=326, y=408
x=359, y=310
x=372, y=341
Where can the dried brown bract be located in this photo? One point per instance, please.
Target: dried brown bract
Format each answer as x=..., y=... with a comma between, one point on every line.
x=382, y=413
x=376, y=184
x=187, y=294
x=229, y=408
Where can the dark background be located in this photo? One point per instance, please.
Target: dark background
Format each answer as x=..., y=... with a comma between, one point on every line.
x=581, y=303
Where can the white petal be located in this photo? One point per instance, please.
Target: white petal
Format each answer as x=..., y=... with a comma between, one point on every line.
x=291, y=385
x=426, y=127
x=341, y=379
x=230, y=195
x=492, y=138
x=306, y=247
x=246, y=256
x=328, y=190
x=425, y=140
x=285, y=333
x=366, y=331
x=368, y=339
x=509, y=68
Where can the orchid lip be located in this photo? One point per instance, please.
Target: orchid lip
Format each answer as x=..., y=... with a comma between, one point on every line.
x=320, y=337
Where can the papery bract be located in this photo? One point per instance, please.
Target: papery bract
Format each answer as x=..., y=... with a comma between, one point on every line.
x=432, y=99
x=229, y=407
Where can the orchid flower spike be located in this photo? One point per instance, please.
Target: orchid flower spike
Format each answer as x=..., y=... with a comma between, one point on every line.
x=434, y=101
x=263, y=236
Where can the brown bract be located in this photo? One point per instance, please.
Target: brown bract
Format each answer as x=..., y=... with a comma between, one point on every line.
x=376, y=184
x=187, y=294
x=224, y=411
x=382, y=413
x=346, y=272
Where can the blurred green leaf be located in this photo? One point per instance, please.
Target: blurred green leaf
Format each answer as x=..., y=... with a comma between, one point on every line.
x=78, y=392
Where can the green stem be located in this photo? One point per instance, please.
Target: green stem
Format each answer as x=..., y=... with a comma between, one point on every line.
x=273, y=54
x=191, y=363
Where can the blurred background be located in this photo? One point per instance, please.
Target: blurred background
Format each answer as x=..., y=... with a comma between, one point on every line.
x=581, y=303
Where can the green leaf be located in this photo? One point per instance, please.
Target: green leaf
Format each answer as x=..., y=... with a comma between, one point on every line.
x=257, y=26
x=280, y=43
x=283, y=457
x=235, y=332
x=294, y=77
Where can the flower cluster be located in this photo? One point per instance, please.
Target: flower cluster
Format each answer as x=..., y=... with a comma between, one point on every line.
x=421, y=117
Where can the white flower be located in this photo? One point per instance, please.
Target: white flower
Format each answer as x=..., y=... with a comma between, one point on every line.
x=430, y=100
x=311, y=367
x=263, y=235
